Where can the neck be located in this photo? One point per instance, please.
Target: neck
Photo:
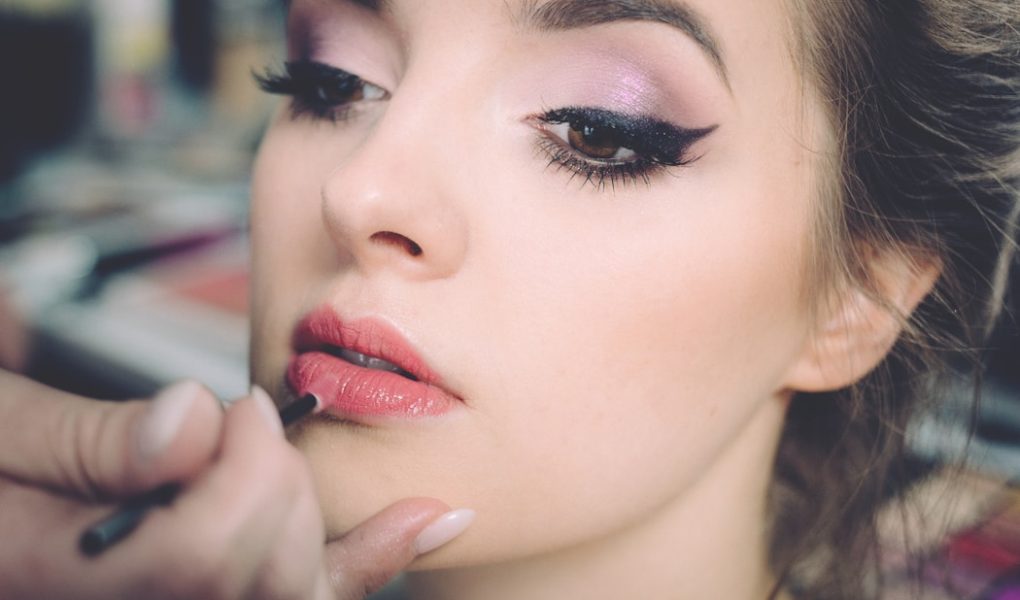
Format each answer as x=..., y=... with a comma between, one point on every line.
x=711, y=542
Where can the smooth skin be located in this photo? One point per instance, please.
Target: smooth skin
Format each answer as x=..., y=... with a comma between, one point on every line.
x=625, y=353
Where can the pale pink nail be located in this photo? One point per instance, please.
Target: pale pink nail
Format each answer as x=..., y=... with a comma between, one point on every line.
x=443, y=530
x=164, y=417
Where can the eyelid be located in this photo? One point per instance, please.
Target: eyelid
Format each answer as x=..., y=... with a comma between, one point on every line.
x=319, y=89
x=656, y=146
x=305, y=71
x=646, y=135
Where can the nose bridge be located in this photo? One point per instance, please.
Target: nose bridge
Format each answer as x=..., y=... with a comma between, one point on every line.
x=389, y=204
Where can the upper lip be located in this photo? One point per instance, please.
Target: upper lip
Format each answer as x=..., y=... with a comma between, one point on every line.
x=323, y=329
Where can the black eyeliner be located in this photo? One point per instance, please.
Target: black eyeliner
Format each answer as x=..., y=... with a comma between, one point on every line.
x=656, y=140
x=318, y=89
x=300, y=76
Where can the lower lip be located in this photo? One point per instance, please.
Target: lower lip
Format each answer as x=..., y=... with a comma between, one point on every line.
x=355, y=393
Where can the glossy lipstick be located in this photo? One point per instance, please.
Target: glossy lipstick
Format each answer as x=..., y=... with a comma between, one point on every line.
x=363, y=370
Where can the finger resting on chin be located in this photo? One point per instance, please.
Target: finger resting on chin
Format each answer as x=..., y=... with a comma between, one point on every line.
x=372, y=553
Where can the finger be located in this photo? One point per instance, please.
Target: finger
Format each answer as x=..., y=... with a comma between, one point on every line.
x=371, y=554
x=90, y=448
x=38, y=527
x=225, y=525
x=293, y=569
x=295, y=566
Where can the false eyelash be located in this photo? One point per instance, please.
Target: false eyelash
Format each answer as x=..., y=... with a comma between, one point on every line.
x=598, y=174
x=656, y=144
x=317, y=90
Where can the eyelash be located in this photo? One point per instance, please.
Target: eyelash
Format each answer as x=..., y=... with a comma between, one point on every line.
x=656, y=145
x=319, y=91
x=323, y=92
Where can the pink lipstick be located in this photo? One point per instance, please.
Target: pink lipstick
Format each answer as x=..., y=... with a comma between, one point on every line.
x=363, y=370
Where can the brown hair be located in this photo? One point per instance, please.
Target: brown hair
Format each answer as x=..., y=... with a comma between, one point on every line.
x=924, y=100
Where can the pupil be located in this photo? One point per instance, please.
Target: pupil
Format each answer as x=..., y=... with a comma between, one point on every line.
x=595, y=136
x=338, y=92
x=596, y=142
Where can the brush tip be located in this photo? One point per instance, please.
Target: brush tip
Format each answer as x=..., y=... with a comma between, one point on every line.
x=305, y=405
x=314, y=399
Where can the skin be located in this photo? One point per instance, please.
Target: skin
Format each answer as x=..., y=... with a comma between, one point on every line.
x=245, y=525
x=625, y=354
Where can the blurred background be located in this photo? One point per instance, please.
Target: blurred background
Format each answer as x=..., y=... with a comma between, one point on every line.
x=127, y=130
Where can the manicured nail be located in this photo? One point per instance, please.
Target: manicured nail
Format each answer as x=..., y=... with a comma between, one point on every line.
x=164, y=418
x=267, y=408
x=443, y=530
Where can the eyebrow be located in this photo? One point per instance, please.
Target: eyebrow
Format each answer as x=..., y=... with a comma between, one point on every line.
x=561, y=15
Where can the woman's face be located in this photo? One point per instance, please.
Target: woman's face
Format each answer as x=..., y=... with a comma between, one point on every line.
x=583, y=226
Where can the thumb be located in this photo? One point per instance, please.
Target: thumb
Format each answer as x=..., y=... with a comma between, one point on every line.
x=375, y=551
x=95, y=449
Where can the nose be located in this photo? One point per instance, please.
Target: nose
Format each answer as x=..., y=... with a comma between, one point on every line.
x=389, y=206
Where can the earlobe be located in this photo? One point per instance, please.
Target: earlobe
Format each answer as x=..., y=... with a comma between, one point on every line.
x=860, y=328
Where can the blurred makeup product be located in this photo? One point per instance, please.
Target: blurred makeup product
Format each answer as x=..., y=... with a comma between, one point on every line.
x=105, y=533
x=46, y=50
x=132, y=56
x=987, y=552
x=1005, y=588
x=141, y=288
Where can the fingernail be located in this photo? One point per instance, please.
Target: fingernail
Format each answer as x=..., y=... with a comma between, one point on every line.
x=267, y=408
x=443, y=530
x=164, y=418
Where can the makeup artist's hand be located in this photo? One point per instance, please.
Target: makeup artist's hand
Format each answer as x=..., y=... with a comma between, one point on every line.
x=246, y=524
x=14, y=343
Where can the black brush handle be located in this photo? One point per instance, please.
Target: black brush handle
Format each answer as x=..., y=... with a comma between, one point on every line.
x=105, y=533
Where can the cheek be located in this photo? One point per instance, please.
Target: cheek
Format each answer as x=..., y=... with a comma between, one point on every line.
x=291, y=254
x=667, y=291
x=628, y=357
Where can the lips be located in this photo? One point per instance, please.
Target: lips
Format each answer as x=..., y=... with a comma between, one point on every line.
x=363, y=369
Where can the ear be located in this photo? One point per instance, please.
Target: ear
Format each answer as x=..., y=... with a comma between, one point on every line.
x=859, y=328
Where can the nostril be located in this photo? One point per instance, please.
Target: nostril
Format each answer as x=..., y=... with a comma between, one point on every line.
x=395, y=239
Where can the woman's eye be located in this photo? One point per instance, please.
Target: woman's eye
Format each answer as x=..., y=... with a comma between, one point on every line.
x=606, y=147
x=595, y=141
x=320, y=90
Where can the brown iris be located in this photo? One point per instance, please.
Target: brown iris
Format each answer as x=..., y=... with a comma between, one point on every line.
x=593, y=141
x=336, y=95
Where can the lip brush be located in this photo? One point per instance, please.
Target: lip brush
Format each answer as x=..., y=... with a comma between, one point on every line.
x=106, y=532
